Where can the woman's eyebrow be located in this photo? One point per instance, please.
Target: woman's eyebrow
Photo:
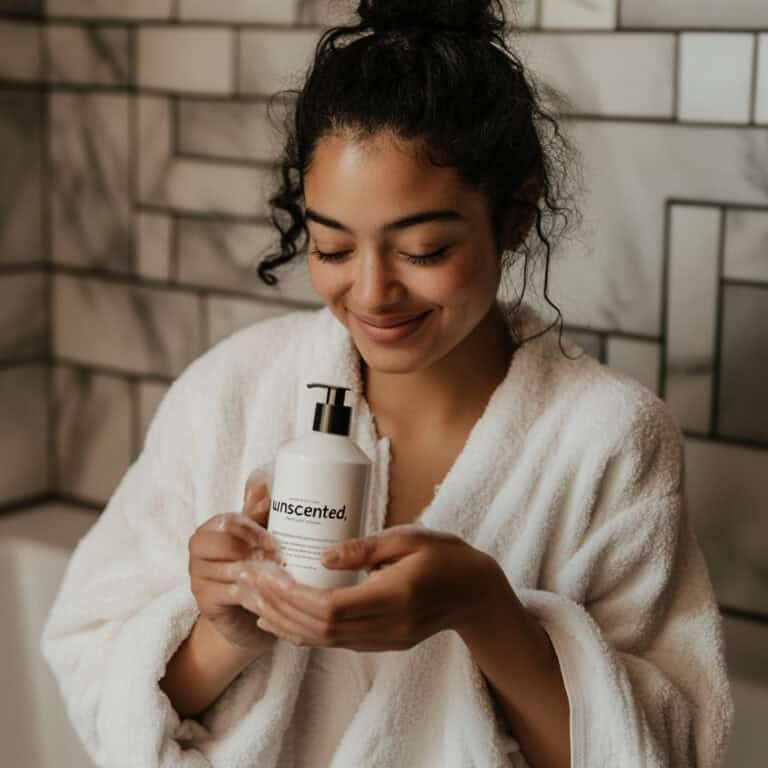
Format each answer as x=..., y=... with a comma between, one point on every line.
x=445, y=214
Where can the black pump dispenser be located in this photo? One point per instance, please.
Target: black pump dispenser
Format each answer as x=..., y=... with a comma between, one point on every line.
x=333, y=416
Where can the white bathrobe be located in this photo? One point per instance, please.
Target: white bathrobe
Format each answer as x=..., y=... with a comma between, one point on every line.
x=572, y=479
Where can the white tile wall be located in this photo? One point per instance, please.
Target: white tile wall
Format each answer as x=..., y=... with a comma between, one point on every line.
x=21, y=51
x=98, y=55
x=761, y=93
x=577, y=14
x=270, y=11
x=111, y=9
x=275, y=59
x=602, y=74
x=186, y=59
x=715, y=76
x=154, y=245
x=689, y=14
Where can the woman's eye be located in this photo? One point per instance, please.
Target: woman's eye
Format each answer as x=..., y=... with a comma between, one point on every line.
x=420, y=259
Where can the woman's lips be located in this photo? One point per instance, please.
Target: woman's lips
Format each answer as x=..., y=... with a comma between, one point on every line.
x=394, y=333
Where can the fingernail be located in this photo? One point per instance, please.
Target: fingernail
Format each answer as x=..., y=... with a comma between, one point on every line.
x=262, y=505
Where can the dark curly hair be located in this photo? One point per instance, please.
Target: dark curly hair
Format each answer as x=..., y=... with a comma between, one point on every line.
x=440, y=74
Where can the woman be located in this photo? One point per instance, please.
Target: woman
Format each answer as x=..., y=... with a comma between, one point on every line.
x=534, y=593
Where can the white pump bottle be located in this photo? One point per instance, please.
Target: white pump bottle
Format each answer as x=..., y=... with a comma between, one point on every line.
x=319, y=494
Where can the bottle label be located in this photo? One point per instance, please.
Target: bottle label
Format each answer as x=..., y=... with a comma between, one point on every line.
x=315, y=505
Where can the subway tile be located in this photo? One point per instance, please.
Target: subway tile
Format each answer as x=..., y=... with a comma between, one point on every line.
x=20, y=51
x=88, y=55
x=746, y=245
x=743, y=394
x=725, y=492
x=267, y=11
x=234, y=130
x=636, y=358
x=521, y=13
x=23, y=316
x=24, y=436
x=110, y=9
x=761, y=93
x=328, y=13
x=154, y=245
x=200, y=187
x=227, y=315
x=186, y=59
x=629, y=74
x=273, y=60
x=688, y=14
x=91, y=200
x=154, y=137
x=225, y=255
x=692, y=313
x=576, y=14
x=21, y=166
x=93, y=432
x=715, y=77
x=137, y=329
x=22, y=7
x=610, y=274
x=746, y=650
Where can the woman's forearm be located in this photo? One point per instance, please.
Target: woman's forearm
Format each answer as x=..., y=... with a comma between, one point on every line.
x=518, y=662
x=202, y=668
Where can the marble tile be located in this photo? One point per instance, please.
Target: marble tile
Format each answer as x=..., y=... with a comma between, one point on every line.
x=715, y=77
x=272, y=60
x=91, y=205
x=21, y=164
x=686, y=14
x=150, y=395
x=22, y=7
x=227, y=129
x=225, y=255
x=154, y=234
x=749, y=739
x=202, y=187
x=20, y=51
x=227, y=315
x=578, y=14
x=725, y=491
x=746, y=648
x=154, y=136
x=267, y=11
x=743, y=393
x=93, y=433
x=692, y=313
x=136, y=329
x=88, y=55
x=186, y=59
x=609, y=271
x=629, y=74
x=24, y=436
x=637, y=358
x=327, y=13
x=23, y=316
x=746, y=245
x=761, y=88
x=110, y=9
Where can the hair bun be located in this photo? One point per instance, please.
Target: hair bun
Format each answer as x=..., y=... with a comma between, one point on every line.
x=477, y=18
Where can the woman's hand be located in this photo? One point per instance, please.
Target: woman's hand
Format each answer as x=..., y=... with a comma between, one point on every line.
x=432, y=581
x=216, y=551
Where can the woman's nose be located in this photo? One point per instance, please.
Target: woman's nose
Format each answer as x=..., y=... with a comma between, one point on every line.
x=376, y=279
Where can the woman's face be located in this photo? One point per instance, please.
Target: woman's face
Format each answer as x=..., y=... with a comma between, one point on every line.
x=355, y=194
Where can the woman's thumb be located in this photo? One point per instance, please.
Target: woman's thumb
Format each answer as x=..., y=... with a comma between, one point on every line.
x=256, y=493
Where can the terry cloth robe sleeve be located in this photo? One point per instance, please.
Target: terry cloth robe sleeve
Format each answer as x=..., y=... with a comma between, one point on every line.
x=642, y=654
x=125, y=603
